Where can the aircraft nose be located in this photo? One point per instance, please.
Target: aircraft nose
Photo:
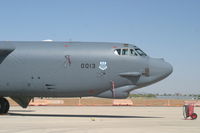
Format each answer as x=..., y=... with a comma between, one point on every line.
x=160, y=69
x=167, y=69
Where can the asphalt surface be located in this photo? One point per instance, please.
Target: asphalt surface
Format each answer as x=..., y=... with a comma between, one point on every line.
x=97, y=120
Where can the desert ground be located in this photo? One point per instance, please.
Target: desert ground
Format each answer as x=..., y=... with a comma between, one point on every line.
x=97, y=119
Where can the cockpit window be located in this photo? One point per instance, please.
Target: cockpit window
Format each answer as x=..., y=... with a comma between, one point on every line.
x=124, y=51
x=117, y=51
x=132, y=52
x=129, y=51
x=140, y=52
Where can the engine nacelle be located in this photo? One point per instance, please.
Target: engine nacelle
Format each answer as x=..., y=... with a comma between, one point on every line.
x=117, y=93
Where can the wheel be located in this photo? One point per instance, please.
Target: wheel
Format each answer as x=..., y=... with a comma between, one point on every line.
x=194, y=116
x=4, y=106
x=7, y=106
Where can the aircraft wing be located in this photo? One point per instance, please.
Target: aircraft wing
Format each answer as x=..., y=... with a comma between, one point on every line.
x=5, y=50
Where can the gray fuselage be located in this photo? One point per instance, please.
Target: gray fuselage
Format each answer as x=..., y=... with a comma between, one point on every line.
x=75, y=69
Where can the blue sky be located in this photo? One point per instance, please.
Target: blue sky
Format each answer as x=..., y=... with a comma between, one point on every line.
x=167, y=29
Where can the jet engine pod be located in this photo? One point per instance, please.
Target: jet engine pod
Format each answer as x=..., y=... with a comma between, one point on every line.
x=117, y=93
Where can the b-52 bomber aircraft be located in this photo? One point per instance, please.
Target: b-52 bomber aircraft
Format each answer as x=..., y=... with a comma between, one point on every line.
x=74, y=69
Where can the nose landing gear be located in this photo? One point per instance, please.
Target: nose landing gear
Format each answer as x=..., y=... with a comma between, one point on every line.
x=4, y=106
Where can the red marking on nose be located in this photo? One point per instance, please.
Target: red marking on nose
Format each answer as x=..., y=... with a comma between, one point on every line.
x=114, y=47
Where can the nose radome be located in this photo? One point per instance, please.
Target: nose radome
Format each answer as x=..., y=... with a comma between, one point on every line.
x=159, y=68
x=169, y=69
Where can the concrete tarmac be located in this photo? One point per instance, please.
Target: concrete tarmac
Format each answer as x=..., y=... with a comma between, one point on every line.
x=51, y=119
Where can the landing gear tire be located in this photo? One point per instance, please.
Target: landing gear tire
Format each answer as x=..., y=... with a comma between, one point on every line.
x=4, y=106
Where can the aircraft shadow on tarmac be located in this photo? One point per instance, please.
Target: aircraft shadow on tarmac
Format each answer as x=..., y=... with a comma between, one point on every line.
x=21, y=111
x=83, y=116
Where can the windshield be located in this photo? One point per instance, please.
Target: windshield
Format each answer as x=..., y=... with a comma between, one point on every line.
x=132, y=52
x=124, y=51
x=140, y=52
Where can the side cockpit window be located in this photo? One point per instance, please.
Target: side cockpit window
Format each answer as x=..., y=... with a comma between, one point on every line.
x=117, y=51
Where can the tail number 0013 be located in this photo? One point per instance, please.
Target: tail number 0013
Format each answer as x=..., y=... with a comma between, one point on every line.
x=87, y=65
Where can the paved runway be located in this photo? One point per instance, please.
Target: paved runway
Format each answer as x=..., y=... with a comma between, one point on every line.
x=98, y=120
